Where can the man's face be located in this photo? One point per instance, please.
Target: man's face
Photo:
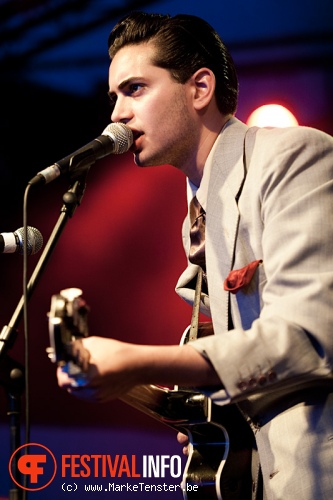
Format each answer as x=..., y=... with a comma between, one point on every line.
x=154, y=106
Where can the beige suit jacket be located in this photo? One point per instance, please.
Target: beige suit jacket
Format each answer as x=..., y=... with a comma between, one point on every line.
x=282, y=341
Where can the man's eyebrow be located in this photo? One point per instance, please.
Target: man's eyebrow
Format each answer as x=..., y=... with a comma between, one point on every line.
x=122, y=85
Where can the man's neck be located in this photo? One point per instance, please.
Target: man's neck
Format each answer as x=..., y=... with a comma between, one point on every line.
x=194, y=171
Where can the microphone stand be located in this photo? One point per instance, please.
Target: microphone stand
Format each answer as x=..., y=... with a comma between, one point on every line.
x=12, y=372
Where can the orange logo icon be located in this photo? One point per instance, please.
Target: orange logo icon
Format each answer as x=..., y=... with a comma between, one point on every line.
x=35, y=463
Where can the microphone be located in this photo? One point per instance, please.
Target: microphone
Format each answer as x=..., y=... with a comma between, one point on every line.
x=13, y=242
x=116, y=138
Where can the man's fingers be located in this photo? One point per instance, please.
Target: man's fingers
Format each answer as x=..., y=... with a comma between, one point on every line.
x=182, y=438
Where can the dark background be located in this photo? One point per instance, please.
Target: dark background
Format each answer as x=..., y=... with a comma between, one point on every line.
x=123, y=245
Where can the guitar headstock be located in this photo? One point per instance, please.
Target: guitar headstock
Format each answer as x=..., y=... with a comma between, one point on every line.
x=67, y=326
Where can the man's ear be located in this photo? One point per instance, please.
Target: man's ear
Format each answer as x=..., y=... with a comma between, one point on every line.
x=204, y=83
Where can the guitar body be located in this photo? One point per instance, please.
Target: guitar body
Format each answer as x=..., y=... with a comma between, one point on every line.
x=220, y=441
x=226, y=477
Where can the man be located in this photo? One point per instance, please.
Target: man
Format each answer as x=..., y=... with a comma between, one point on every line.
x=267, y=262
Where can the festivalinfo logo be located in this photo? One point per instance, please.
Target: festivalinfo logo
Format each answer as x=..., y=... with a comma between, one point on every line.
x=33, y=467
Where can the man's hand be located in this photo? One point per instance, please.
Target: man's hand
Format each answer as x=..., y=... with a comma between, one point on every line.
x=111, y=371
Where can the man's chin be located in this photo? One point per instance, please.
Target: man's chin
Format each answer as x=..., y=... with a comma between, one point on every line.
x=141, y=162
x=137, y=160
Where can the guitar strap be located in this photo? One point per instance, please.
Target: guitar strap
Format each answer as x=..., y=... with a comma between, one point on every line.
x=194, y=329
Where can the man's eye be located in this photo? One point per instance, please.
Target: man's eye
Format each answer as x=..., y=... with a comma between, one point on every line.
x=135, y=87
x=112, y=100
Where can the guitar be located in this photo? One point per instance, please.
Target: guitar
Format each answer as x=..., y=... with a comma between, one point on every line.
x=220, y=441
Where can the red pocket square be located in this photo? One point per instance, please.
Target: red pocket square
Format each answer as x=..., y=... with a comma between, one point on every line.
x=239, y=278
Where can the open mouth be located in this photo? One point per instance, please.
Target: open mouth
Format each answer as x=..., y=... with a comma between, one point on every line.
x=136, y=137
x=136, y=134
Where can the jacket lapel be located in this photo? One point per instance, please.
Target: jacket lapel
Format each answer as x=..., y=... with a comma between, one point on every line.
x=222, y=219
x=222, y=216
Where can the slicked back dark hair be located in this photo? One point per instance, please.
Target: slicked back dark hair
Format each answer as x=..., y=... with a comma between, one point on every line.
x=184, y=44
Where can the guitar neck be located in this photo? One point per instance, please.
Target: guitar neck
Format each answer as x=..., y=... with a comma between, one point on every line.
x=182, y=409
x=175, y=408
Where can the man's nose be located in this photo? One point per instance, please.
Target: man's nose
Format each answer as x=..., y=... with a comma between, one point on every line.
x=121, y=111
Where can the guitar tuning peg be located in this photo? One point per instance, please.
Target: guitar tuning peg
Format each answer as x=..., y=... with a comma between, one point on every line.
x=71, y=293
x=51, y=354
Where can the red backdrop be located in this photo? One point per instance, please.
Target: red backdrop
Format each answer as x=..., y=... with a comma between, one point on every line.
x=123, y=248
